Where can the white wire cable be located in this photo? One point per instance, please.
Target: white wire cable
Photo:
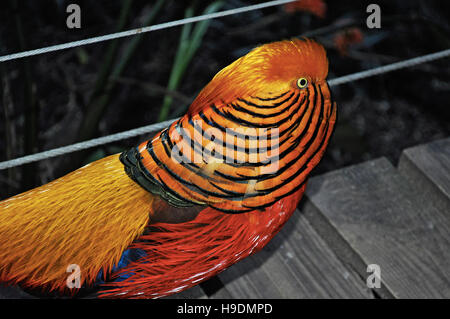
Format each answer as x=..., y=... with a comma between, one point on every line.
x=159, y=126
x=85, y=145
x=389, y=67
x=128, y=33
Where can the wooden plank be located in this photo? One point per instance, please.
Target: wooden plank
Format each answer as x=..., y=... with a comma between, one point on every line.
x=222, y=293
x=7, y=292
x=428, y=167
x=295, y=264
x=388, y=222
x=192, y=293
x=13, y=292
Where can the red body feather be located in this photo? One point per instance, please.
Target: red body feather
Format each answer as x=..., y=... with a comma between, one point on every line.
x=183, y=255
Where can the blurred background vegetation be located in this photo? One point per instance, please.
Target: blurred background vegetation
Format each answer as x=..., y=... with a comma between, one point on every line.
x=59, y=98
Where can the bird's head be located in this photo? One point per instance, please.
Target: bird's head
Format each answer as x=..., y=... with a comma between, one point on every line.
x=266, y=71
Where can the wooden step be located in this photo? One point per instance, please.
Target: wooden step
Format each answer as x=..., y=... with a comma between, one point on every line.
x=13, y=292
x=192, y=293
x=297, y=263
x=427, y=167
x=371, y=214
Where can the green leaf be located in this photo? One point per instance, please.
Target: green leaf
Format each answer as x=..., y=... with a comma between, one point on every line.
x=190, y=41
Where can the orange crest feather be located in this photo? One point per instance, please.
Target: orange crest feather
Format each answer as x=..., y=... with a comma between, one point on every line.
x=265, y=70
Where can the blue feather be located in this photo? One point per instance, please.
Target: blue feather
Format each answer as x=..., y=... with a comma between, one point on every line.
x=128, y=256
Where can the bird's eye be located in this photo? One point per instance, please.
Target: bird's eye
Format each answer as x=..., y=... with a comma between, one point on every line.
x=302, y=83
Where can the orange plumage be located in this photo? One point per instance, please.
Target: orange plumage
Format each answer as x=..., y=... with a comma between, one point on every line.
x=211, y=189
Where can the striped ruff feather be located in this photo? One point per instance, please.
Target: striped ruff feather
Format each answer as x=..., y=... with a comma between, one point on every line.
x=295, y=126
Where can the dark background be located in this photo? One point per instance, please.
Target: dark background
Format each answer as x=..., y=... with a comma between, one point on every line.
x=59, y=98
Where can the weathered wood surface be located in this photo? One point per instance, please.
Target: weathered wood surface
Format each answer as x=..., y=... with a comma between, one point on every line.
x=8, y=292
x=192, y=293
x=297, y=263
x=365, y=214
x=427, y=167
x=389, y=222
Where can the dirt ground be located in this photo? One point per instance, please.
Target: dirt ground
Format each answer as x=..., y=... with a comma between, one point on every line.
x=46, y=100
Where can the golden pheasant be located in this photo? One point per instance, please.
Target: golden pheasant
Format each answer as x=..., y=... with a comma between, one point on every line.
x=209, y=190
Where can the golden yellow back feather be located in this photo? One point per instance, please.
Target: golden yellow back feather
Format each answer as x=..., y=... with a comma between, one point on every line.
x=77, y=219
